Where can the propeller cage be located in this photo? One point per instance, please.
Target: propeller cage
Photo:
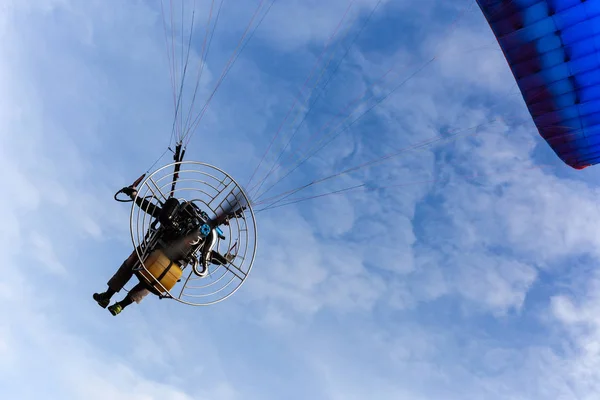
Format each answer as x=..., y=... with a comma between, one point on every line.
x=213, y=195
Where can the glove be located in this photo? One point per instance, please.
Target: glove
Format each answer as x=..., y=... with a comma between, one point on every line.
x=130, y=191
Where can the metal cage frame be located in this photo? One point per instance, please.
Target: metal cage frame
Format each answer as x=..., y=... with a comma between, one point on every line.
x=212, y=188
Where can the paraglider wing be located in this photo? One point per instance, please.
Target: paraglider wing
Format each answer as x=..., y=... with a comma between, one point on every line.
x=553, y=50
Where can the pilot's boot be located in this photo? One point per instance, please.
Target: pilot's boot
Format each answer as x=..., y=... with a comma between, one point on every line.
x=103, y=299
x=120, y=305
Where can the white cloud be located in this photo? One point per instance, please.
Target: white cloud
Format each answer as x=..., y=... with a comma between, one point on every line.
x=319, y=20
x=432, y=290
x=43, y=250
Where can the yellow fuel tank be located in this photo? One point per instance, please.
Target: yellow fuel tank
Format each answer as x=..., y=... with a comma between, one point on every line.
x=161, y=269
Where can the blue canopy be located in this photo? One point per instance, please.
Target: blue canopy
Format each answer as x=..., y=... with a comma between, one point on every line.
x=553, y=50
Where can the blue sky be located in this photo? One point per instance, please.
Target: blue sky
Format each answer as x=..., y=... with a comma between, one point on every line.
x=480, y=282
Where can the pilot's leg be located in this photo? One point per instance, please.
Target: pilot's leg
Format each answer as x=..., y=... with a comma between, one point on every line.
x=137, y=294
x=117, y=281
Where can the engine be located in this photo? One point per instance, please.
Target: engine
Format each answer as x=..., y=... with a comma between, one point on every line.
x=181, y=219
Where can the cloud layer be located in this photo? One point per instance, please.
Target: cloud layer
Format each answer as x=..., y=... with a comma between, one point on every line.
x=465, y=269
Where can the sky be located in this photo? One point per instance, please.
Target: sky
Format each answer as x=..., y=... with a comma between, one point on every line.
x=465, y=268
